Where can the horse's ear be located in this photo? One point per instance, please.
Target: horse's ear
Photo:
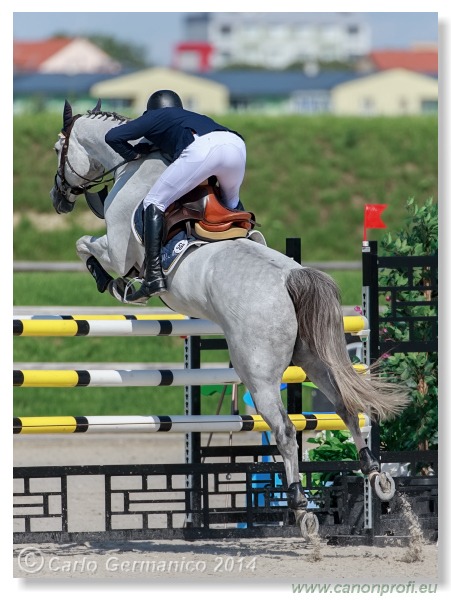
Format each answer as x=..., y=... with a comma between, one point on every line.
x=98, y=106
x=67, y=115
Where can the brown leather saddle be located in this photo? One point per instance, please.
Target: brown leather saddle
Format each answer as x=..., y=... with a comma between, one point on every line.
x=201, y=214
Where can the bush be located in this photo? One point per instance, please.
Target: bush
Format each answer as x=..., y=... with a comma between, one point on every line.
x=417, y=426
x=331, y=445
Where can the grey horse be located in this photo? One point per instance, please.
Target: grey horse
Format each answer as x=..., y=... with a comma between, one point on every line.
x=273, y=311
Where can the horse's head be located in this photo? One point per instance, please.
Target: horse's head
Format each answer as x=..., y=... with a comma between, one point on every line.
x=77, y=171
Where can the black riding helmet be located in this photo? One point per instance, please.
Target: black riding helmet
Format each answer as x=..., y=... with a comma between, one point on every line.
x=164, y=99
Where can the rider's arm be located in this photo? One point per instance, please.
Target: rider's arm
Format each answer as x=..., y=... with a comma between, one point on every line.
x=118, y=137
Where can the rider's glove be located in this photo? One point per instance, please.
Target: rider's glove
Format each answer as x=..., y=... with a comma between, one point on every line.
x=142, y=148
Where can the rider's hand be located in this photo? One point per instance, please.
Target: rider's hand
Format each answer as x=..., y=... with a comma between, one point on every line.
x=142, y=148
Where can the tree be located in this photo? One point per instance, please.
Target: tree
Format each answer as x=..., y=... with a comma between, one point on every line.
x=132, y=56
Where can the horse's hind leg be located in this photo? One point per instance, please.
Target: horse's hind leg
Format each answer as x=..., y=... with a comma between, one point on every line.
x=269, y=405
x=260, y=366
x=320, y=374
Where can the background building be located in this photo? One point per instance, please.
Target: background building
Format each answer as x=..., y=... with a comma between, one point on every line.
x=272, y=63
x=389, y=93
x=133, y=90
x=38, y=92
x=420, y=59
x=280, y=92
x=62, y=55
x=273, y=40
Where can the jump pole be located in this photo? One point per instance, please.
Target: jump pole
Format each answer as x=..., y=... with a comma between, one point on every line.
x=103, y=327
x=174, y=424
x=62, y=378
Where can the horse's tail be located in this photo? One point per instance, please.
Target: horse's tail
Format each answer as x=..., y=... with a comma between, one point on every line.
x=317, y=302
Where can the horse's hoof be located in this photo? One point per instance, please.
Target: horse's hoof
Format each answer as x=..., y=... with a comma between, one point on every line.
x=308, y=524
x=383, y=485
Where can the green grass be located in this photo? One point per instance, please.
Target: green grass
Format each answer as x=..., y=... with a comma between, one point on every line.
x=79, y=289
x=65, y=289
x=307, y=177
x=41, y=402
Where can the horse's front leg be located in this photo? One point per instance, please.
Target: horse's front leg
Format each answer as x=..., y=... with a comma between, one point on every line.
x=93, y=251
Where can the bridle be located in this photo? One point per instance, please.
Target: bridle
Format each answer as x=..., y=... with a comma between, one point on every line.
x=62, y=186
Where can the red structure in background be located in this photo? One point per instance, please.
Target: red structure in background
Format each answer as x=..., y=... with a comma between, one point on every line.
x=29, y=56
x=193, y=56
x=418, y=60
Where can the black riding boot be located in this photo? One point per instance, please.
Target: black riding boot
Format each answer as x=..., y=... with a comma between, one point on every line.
x=153, y=284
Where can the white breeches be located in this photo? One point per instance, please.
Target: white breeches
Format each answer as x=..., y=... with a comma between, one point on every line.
x=218, y=153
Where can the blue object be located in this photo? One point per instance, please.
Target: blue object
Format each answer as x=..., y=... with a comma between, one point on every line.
x=260, y=480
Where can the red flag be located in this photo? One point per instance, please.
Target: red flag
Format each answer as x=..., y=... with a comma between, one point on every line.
x=372, y=219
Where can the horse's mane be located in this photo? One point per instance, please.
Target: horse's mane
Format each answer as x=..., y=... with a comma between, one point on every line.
x=108, y=115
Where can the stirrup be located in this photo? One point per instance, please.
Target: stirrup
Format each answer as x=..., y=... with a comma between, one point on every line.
x=130, y=289
x=142, y=301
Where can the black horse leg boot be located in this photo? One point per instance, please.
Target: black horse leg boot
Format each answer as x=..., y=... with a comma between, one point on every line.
x=102, y=278
x=153, y=284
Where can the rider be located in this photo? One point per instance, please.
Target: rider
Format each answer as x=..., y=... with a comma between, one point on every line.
x=199, y=148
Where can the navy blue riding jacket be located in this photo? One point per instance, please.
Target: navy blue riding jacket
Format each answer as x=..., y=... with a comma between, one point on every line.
x=170, y=129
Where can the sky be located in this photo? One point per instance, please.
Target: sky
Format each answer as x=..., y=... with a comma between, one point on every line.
x=157, y=33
